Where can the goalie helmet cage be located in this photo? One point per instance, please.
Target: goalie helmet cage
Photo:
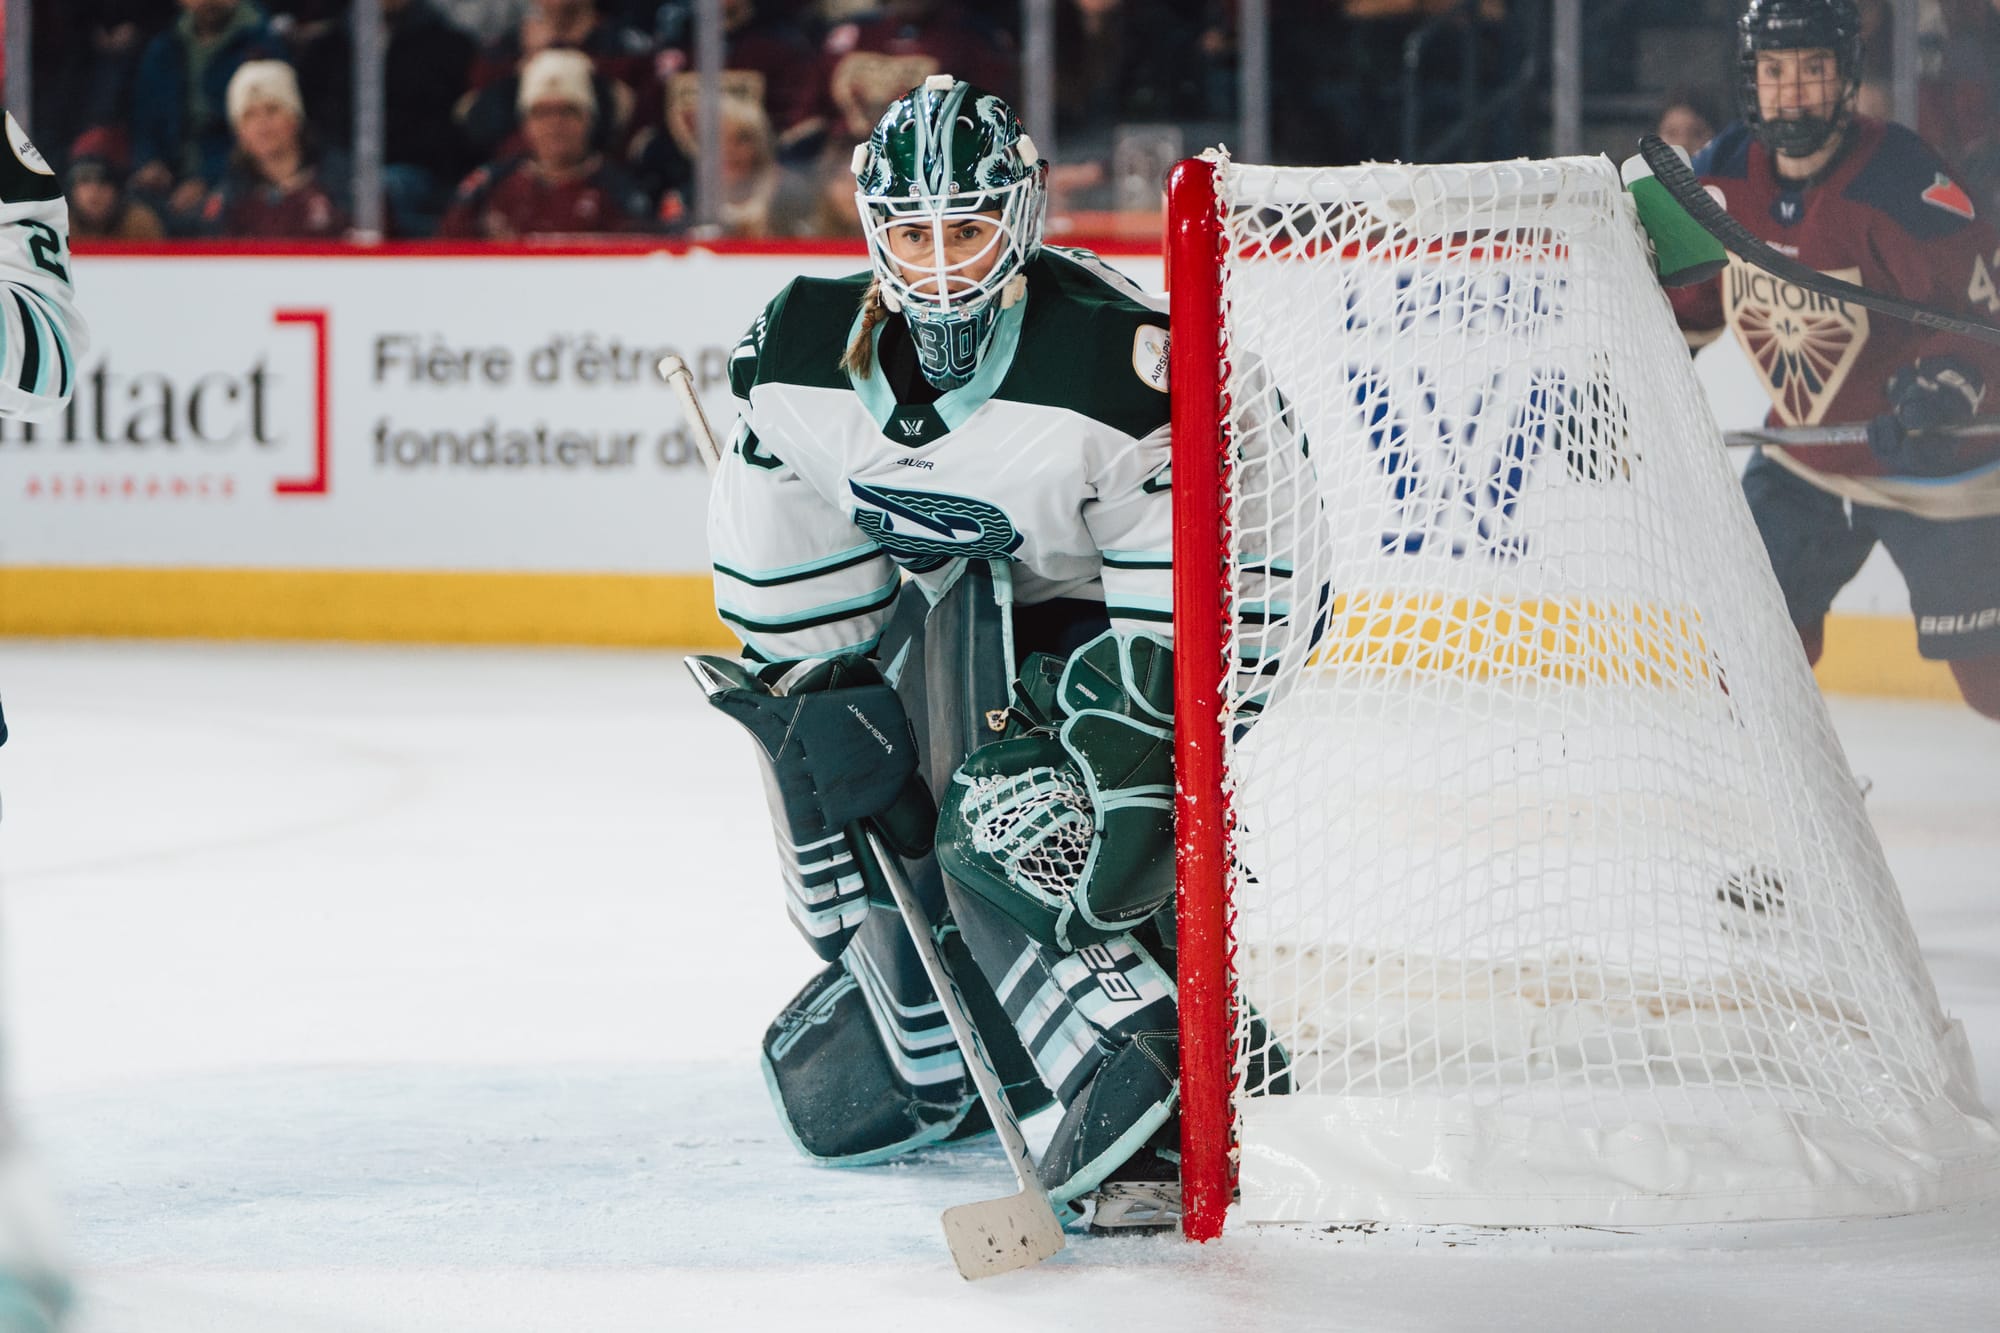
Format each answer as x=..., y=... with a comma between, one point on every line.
x=1506, y=802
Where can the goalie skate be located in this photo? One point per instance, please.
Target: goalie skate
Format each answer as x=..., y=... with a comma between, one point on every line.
x=1143, y=1196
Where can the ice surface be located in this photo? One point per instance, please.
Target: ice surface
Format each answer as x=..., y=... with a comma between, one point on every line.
x=360, y=990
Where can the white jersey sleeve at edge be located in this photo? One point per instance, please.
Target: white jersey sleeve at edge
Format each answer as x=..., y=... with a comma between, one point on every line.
x=1131, y=518
x=42, y=336
x=793, y=576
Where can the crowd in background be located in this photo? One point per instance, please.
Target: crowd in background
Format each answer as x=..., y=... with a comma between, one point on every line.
x=517, y=118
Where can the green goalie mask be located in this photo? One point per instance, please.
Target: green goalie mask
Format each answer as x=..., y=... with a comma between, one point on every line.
x=951, y=194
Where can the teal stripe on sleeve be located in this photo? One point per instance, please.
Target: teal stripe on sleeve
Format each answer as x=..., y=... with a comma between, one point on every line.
x=824, y=614
x=772, y=578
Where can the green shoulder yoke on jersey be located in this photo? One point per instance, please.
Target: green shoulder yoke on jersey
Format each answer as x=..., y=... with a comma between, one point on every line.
x=800, y=337
x=1085, y=347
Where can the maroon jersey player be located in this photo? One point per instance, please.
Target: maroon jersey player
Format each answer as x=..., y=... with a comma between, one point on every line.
x=1871, y=203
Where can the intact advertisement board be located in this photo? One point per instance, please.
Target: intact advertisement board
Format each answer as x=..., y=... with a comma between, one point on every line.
x=393, y=413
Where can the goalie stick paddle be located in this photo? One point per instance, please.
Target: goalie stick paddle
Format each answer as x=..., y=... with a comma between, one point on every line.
x=1681, y=182
x=992, y=1235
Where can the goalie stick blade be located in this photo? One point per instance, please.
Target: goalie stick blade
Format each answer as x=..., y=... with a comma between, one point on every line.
x=996, y=1236
x=1681, y=182
x=992, y=1235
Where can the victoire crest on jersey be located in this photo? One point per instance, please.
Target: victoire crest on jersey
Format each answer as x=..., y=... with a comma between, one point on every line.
x=1804, y=344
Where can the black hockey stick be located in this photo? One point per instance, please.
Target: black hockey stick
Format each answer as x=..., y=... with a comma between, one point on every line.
x=1681, y=182
x=1827, y=437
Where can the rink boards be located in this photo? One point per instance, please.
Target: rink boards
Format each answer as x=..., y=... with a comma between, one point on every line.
x=451, y=446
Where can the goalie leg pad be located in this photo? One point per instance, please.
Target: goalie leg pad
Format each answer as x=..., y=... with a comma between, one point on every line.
x=1128, y=1105
x=861, y=1065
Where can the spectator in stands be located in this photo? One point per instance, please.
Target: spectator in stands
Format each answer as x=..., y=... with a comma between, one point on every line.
x=563, y=185
x=868, y=63
x=1685, y=121
x=621, y=59
x=180, y=127
x=487, y=20
x=1119, y=62
x=1955, y=86
x=626, y=89
x=279, y=183
x=759, y=198
x=425, y=69
x=99, y=208
x=85, y=60
x=834, y=213
x=763, y=54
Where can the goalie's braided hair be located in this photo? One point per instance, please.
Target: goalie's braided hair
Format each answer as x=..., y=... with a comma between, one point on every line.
x=859, y=359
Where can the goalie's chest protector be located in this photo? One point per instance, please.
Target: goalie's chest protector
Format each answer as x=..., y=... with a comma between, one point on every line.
x=1067, y=414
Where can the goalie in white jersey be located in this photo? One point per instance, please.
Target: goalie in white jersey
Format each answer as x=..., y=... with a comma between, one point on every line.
x=41, y=337
x=942, y=530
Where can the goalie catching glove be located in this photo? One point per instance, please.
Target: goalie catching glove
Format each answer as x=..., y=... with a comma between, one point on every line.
x=837, y=749
x=1067, y=827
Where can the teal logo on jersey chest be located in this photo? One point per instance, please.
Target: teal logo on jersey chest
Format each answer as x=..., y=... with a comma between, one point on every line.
x=924, y=526
x=912, y=426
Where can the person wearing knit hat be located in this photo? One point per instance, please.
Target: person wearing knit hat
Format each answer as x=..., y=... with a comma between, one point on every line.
x=563, y=185
x=279, y=184
x=557, y=77
x=99, y=207
x=265, y=83
x=179, y=118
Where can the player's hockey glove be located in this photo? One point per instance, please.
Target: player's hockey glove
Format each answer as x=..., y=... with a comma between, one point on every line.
x=1068, y=827
x=1935, y=392
x=837, y=749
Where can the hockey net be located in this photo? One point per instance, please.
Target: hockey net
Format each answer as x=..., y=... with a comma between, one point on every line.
x=1545, y=894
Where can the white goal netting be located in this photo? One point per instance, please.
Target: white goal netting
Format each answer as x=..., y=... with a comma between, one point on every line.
x=1550, y=878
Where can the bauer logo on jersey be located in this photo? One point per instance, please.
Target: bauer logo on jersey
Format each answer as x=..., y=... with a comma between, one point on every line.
x=1948, y=194
x=1149, y=355
x=921, y=526
x=1803, y=343
x=29, y=156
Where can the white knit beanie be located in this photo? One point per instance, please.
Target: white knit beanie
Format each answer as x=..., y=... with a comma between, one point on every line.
x=264, y=81
x=558, y=75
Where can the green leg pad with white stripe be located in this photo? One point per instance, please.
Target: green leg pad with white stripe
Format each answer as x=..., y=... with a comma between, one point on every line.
x=862, y=1066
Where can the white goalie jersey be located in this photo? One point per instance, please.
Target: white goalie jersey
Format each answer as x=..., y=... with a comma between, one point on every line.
x=1053, y=460
x=41, y=334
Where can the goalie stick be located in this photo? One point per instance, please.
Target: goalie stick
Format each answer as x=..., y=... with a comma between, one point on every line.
x=1823, y=437
x=681, y=380
x=1686, y=188
x=987, y=1236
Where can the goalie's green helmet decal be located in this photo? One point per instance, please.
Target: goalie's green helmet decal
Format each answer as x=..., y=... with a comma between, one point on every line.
x=947, y=155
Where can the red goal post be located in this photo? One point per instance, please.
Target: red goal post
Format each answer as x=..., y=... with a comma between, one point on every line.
x=1194, y=240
